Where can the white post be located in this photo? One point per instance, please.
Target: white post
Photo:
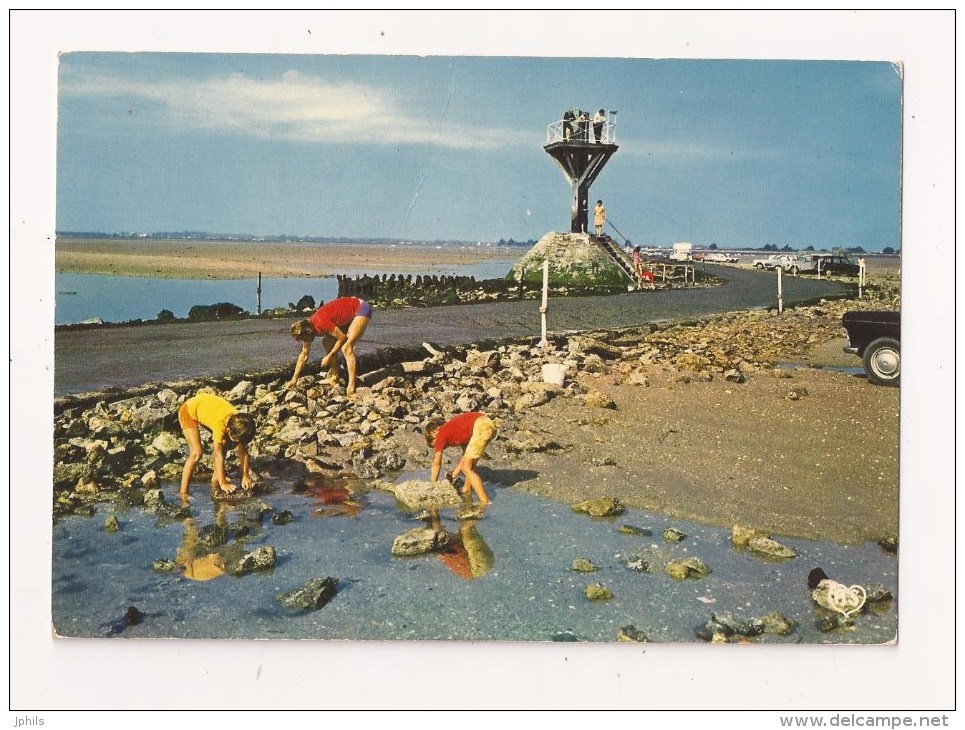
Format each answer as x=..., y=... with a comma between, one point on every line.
x=861, y=268
x=780, y=291
x=542, y=310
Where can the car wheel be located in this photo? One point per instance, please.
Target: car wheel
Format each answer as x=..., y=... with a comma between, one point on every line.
x=795, y=270
x=882, y=361
x=760, y=266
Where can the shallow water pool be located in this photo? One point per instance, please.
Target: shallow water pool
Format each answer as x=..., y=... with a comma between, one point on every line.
x=512, y=580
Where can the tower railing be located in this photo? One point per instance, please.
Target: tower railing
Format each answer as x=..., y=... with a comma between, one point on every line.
x=556, y=132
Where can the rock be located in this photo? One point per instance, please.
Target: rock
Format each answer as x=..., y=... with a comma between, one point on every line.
x=153, y=499
x=638, y=378
x=631, y=633
x=582, y=565
x=728, y=624
x=889, y=544
x=689, y=568
x=242, y=391
x=796, y=394
x=777, y=623
x=418, y=494
x=599, y=507
x=770, y=548
x=168, y=397
x=602, y=350
x=597, y=592
x=149, y=480
x=696, y=566
x=282, y=518
x=167, y=443
x=254, y=510
x=596, y=399
x=111, y=524
x=835, y=621
x=735, y=376
x=311, y=596
x=741, y=536
x=376, y=465
x=636, y=531
x=877, y=593
x=262, y=558
x=637, y=563
x=164, y=565
x=672, y=534
x=419, y=541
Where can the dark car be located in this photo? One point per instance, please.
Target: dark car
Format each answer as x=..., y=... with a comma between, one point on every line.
x=875, y=337
x=835, y=263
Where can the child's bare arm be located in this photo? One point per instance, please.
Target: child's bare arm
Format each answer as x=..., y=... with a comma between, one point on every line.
x=300, y=362
x=436, y=466
x=242, y=452
x=340, y=338
x=219, y=468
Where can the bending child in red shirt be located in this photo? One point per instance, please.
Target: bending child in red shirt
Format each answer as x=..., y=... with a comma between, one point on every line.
x=342, y=321
x=472, y=430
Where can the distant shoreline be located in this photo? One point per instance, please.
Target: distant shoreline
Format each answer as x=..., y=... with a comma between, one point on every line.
x=204, y=259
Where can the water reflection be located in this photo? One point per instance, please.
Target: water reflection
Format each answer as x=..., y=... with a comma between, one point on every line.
x=465, y=553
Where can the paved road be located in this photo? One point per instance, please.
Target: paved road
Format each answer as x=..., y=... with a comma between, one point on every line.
x=95, y=359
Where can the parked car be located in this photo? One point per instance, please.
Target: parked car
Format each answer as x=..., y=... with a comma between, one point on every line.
x=875, y=337
x=715, y=257
x=785, y=261
x=835, y=263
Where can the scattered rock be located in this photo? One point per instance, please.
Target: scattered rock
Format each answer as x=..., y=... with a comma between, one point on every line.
x=638, y=563
x=735, y=376
x=262, y=558
x=769, y=548
x=111, y=524
x=725, y=625
x=889, y=544
x=689, y=568
x=778, y=624
x=796, y=394
x=600, y=507
x=167, y=443
x=153, y=500
x=597, y=592
x=418, y=494
x=164, y=565
x=596, y=399
x=282, y=518
x=582, y=565
x=672, y=534
x=419, y=541
x=311, y=596
x=636, y=531
x=631, y=634
x=741, y=536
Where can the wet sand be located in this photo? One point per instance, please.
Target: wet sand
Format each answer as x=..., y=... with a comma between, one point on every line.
x=238, y=260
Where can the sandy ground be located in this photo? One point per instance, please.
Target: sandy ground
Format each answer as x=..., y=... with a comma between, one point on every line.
x=233, y=260
x=824, y=466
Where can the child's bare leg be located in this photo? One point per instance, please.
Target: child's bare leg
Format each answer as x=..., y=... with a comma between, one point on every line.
x=355, y=331
x=193, y=437
x=475, y=482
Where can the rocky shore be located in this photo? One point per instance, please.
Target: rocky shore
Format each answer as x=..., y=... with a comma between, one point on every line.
x=648, y=415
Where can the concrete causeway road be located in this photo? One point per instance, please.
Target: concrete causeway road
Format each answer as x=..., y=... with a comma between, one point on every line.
x=96, y=359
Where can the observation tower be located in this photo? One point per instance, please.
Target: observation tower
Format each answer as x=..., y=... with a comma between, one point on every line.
x=581, y=147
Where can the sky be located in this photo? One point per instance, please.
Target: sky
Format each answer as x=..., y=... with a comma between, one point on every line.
x=738, y=153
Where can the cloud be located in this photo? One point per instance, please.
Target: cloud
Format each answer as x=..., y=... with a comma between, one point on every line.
x=294, y=107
